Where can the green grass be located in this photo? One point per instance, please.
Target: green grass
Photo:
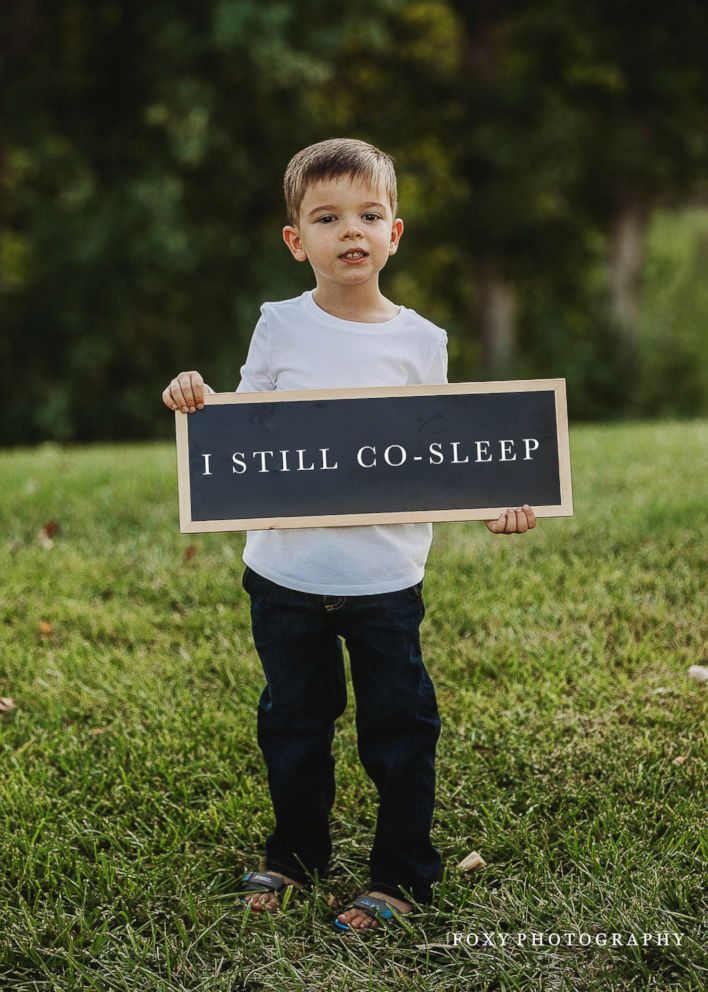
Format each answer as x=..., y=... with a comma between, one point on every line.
x=133, y=793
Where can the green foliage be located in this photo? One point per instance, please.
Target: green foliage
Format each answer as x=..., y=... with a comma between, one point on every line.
x=141, y=176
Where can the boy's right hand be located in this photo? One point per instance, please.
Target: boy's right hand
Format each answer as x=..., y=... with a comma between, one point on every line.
x=185, y=392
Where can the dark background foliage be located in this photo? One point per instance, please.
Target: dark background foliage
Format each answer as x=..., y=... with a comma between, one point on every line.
x=552, y=163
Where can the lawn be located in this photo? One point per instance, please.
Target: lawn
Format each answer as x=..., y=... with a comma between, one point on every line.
x=133, y=793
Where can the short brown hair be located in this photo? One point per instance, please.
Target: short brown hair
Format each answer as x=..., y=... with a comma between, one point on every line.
x=332, y=158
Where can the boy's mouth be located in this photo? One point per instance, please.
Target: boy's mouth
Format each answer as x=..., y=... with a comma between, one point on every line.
x=353, y=255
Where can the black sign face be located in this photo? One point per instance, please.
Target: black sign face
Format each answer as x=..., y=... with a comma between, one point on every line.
x=342, y=457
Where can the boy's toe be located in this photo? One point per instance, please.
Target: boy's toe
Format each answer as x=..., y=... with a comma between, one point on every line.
x=262, y=901
x=357, y=919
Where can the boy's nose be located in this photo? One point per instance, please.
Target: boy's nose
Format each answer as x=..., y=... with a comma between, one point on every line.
x=351, y=228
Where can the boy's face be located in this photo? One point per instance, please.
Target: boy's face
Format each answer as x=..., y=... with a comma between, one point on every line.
x=339, y=215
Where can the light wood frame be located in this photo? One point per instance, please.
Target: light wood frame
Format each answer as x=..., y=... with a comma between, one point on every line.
x=189, y=526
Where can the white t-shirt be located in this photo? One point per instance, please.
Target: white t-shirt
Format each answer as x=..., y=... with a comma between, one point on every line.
x=298, y=345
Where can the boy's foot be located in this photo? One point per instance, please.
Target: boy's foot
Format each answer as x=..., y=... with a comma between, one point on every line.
x=359, y=920
x=261, y=901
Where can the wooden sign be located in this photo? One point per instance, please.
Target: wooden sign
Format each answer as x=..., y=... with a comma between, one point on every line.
x=378, y=455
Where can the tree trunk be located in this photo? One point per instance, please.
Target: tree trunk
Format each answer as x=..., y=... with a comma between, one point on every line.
x=496, y=307
x=627, y=240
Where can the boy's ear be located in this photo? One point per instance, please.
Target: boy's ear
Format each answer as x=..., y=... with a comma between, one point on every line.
x=396, y=232
x=291, y=237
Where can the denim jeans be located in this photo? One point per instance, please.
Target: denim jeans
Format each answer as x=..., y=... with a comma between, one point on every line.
x=297, y=637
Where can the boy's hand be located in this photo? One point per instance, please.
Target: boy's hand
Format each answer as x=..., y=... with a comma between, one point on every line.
x=185, y=392
x=513, y=521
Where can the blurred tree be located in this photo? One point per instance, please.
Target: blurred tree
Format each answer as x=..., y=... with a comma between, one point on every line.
x=563, y=127
x=636, y=75
x=142, y=156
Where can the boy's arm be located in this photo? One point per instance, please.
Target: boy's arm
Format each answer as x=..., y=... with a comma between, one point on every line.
x=256, y=372
x=437, y=374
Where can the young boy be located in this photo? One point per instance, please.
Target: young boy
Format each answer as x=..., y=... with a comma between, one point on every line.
x=309, y=587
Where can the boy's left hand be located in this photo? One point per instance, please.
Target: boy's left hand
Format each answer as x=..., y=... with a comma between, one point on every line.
x=514, y=521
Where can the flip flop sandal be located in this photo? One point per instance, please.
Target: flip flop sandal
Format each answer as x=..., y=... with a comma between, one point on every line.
x=262, y=881
x=377, y=909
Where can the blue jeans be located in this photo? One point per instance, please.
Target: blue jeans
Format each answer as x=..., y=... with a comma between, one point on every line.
x=297, y=637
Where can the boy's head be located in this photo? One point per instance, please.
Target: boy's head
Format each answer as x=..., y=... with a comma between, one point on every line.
x=334, y=158
x=341, y=196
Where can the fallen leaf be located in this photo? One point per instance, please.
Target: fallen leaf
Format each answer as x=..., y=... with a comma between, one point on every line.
x=45, y=628
x=189, y=552
x=95, y=731
x=680, y=759
x=7, y=704
x=473, y=861
x=42, y=539
x=45, y=535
